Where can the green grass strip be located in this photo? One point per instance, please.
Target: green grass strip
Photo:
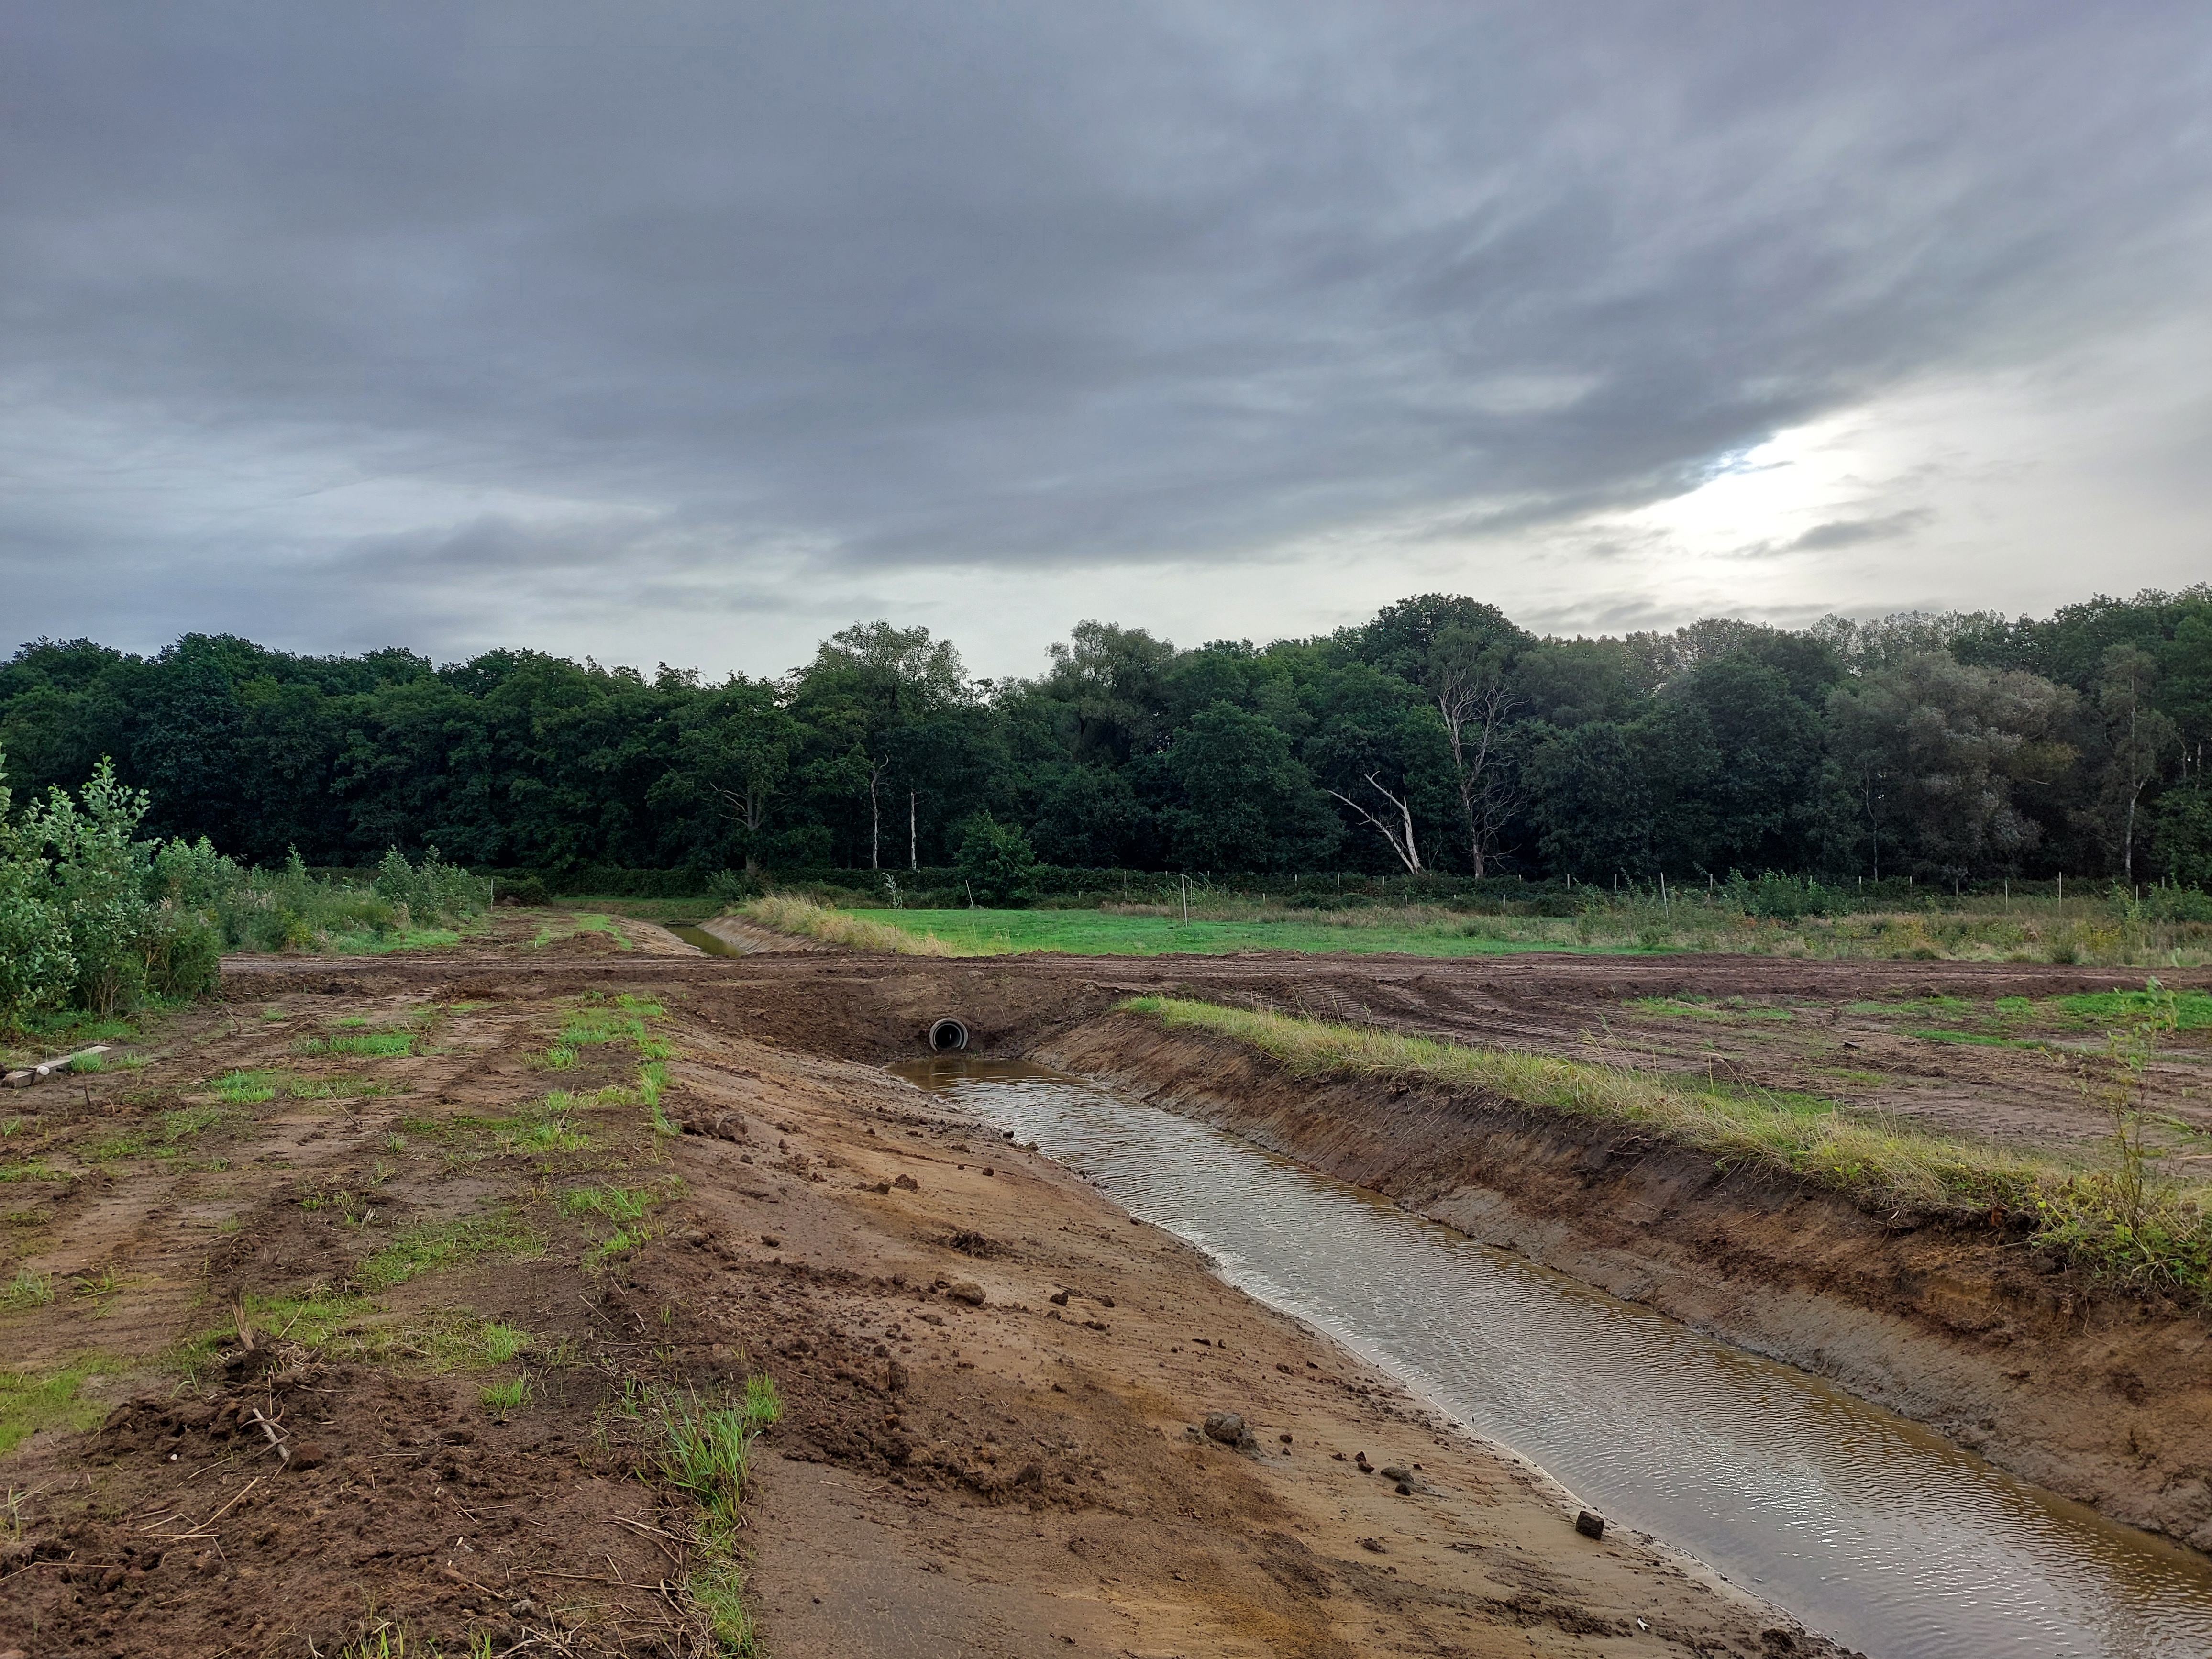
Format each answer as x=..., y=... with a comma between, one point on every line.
x=1808, y=1135
x=2083, y=1212
x=438, y=1244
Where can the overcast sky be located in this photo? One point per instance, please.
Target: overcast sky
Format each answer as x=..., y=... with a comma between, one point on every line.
x=660, y=331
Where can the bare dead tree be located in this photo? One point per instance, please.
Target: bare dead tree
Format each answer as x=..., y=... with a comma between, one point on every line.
x=1474, y=701
x=1400, y=835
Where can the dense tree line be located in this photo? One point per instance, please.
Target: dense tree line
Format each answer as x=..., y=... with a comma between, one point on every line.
x=1438, y=736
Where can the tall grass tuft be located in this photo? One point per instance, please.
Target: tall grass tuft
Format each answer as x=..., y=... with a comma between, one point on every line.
x=704, y=1453
x=802, y=918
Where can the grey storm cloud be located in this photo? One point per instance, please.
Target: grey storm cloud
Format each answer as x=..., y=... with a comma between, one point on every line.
x=714, y=302
x=1847, y=532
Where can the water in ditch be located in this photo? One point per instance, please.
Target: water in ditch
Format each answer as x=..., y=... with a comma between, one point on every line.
x=1867, y=1527
x=692, y=934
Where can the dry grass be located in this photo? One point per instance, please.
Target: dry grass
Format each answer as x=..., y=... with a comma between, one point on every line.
x=802, y=918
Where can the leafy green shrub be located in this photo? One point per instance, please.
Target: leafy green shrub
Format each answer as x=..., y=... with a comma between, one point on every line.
x=1782, y=898
x=995, y=862
x=431, y=890
x=2177, y=904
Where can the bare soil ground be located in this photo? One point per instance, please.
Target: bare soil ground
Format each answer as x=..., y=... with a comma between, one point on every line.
x=346, y=1309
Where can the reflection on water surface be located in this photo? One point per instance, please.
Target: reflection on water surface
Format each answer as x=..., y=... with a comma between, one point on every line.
x=1867, y=1527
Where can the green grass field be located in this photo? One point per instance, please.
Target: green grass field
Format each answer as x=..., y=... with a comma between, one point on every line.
x=1098, y=933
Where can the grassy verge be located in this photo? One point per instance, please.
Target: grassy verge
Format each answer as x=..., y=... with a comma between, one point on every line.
x=2163, y=1239
x=803, y=918
x=2089, y=932
x=1119, y=933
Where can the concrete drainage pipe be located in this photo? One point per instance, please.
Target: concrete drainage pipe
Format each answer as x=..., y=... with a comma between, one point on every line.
x=947, y=1035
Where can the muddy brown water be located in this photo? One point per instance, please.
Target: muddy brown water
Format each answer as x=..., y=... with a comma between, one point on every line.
x=1867, y=1527
x=692, y=934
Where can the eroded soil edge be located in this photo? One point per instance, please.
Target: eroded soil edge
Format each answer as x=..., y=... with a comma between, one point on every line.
x=1969, y=1330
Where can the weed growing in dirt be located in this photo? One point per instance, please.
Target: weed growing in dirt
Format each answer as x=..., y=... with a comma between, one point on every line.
x=2126, y=1220
x=582, y=923
x=704, y=1453
x=161, y=1139
x=433, y=1245
x=33, y=1170
x=507, y=1396
x=344, y=1088
x=27, y=1290
x=248, y=1088
x=372, y=1045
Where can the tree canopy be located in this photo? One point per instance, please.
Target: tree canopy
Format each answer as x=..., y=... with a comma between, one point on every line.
x=1439, y=735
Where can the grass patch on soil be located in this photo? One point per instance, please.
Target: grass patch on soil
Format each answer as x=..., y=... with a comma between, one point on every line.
x=372, y=1045
x=626, y=1207
x=433, y=1245
x=705, y=1452
x=1104, y=932
x=583, y=921
x=31, y=1402
x=2193, y=1010
x=400, y=939
x=164, y=1136
x=343, y=1088
x=2165, y=1240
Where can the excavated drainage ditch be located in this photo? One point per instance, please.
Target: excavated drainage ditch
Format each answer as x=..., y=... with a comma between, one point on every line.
x=1864, y=1525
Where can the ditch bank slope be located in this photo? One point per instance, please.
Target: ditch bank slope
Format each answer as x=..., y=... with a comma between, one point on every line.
x=2103, y=1399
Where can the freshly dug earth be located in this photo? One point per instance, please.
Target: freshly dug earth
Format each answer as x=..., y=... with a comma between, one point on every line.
x=2078, y=1385
x=356, y=1310
x=2102, y=1397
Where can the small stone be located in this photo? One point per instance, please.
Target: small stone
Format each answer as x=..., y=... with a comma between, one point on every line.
x=1057, y=1299
x=771, y=1240
x=1590, y=1525
x=965, y=1291
x=906, y=1183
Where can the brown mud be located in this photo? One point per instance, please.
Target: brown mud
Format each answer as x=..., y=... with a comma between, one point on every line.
x=294, y=1245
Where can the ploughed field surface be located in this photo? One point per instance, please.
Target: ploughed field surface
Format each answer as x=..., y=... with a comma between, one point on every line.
x=1979, y=1049
x=347, y=1309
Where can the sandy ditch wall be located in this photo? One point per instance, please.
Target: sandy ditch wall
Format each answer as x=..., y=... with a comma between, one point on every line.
x=1969, y=1330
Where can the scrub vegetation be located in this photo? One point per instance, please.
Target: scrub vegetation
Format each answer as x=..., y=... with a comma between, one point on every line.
x=97, y=919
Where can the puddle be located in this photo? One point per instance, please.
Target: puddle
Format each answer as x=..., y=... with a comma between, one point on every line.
x=1869, y=1528
x=691, y=933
